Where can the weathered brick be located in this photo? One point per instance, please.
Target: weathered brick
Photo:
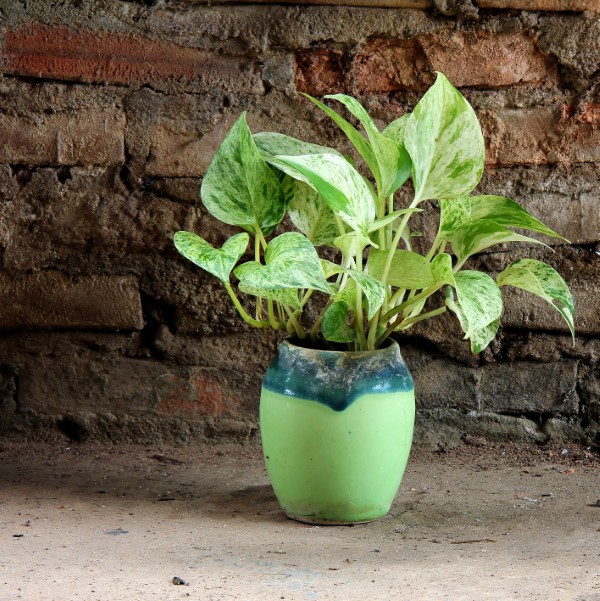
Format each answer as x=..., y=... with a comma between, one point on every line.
x=536, y=136
x=566, y=5
x=424, y=4
x=50, y=299
x=480, y=59
x=88, y=137
x=58, y=52
x=120, y=385
x=383, y=66
x=529, y=387
x=589, y=113
x=319, y=71
x=523, y=310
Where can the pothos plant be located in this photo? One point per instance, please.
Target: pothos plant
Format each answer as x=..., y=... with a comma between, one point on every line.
x=379, y=284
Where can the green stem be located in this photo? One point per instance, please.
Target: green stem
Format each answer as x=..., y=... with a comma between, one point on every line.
x=407, y=303
x=249, y=320
x=396, y=241
x=412, y=320
x=360, y=325
x=295, y=325
x=402, y=325
x=272, y=319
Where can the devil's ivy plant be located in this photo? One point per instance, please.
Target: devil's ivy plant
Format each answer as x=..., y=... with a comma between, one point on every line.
x=379, y=284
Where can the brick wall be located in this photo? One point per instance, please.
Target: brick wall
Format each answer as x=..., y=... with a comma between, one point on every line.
x=109, y=116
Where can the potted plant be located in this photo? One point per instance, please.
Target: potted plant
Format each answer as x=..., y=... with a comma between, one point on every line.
x=337, y=402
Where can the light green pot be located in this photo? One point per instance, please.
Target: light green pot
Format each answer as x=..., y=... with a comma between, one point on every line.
x=336, y=431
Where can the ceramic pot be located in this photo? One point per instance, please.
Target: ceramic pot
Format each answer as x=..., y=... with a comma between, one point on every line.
x=336, y=431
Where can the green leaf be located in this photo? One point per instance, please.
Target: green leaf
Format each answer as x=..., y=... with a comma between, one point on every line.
x=503, y=211
x=482, y=337
x=239, y=188
x=285, y=296
x=336, y=325
x=271, y=144
x=373, y=289
x=362, y=146
x=347, y=243
x=311, y=214
x=441, y=268
x=544, y=281
x=340, y=185
x=393, y=161
x=290, y=262
x=389, y=218
x=395, y=130
x=476, y=236
x=478, y=302
x=217, y=261
x=445, y=143
x=408, y=270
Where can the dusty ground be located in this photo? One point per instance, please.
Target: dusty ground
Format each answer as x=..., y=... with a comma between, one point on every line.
x=481, y=523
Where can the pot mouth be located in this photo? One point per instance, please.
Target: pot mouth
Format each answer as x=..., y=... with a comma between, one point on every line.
x=319, y=346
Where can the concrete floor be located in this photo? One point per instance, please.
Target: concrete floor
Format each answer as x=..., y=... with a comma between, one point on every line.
x=111, y=523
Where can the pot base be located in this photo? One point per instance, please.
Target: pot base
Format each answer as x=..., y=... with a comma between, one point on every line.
x=322, y=522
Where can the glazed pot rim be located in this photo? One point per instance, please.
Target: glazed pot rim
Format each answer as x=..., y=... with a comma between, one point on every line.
x=296, y=343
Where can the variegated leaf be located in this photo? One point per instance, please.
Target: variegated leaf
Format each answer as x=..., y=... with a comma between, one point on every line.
x=441, y=268
x=544, y=281
x=393, y=161
x=217, y=261
x=340, y=185
x=364, y=148
x=348, y=243
x=481, y=338
x=503, y=211
x=476, y=236
x=408, y=269
x=337, y=323
x=290, y=262
x=271, y=144
x=239, y=188
x=285, y=296
x=445, y=143
x=478, y=299
x=311, y=214
x=395, y=130
x=372, y=288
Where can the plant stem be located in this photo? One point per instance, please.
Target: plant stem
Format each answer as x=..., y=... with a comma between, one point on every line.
x=295, y=325
x=408, y=323
x=360, y=326
x=407, y=303
x=249, y=320
x=396, y=241
x=272, y=319
x=412, y=320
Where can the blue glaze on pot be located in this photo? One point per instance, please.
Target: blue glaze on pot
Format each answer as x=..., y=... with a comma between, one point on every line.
x=336, y=378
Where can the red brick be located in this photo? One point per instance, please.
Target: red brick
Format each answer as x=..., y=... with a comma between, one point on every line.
x=88, y=137
x=489, y=61
x=49, y=299
x=567, y=5
x=537, y=136
x=117, y=385
x=201, y=393
x=383, y=66
x=59, y=52
x=319, y=72
x=589, y=113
